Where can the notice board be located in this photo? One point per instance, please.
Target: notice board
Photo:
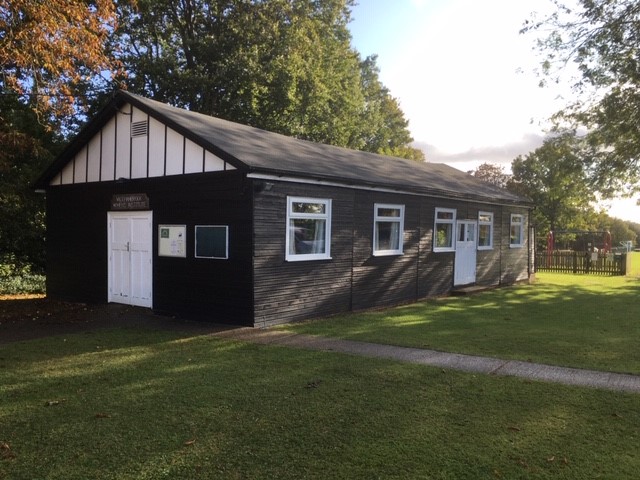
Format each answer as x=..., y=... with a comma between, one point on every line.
x=172, y=241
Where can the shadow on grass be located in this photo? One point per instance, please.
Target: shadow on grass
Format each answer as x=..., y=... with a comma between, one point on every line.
x=155, y=405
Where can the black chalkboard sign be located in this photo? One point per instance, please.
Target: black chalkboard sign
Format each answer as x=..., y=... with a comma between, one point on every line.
x=212, y=241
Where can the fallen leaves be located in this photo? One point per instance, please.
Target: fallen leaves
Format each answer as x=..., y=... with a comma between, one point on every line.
x=313, y=384
x=5, y=451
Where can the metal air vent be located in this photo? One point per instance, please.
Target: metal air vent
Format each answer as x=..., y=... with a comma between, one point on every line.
x=139, y=129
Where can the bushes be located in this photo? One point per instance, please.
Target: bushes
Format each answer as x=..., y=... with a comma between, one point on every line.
x=17, y=279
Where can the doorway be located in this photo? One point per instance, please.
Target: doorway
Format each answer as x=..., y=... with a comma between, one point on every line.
x=130, y=257
x=466, y=246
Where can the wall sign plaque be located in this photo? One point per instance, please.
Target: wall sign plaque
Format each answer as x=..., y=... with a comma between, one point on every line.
x=129, y=201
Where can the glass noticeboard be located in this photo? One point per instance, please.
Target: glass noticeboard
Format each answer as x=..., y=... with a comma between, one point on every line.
x=172, y=240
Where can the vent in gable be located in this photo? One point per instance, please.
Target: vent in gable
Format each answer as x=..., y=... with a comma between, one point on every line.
x=139, y=129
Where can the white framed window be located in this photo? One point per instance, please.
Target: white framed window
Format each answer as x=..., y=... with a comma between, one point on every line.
x=485, y=230
x=388, y=229
x=443, y=230
x=516, y=231
x=212, y=241
x=308, y=234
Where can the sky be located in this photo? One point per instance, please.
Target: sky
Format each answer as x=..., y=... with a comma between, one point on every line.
x=465, y=78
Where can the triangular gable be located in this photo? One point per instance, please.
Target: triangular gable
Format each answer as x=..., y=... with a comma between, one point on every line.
x=132, y=144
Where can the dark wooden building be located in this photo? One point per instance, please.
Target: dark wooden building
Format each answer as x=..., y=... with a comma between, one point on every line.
x=188, y=214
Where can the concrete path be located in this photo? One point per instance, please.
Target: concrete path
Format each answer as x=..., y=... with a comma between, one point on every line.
x=454, y=361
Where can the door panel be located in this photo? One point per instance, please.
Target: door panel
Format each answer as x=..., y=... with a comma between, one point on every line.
x=130, y=258
x=466, y=246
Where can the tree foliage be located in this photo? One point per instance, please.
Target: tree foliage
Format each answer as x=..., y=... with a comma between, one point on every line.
x=50, y=51
x=492, y=174
x=284, y=65
x=554, y=178
x=621, y=231
x=600, y=39
x=27, y=149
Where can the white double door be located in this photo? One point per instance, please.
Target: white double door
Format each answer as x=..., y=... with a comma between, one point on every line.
x=130, y=256
x=466, y=247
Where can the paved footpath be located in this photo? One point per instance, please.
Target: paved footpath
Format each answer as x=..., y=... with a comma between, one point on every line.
x=454, y=361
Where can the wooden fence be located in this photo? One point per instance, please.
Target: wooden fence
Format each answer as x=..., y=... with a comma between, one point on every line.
x=581, y=262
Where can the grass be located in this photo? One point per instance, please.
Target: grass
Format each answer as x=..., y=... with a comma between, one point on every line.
x=137, y=404
x=579, y=321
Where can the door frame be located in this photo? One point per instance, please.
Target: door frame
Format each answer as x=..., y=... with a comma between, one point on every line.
x=466, y=253
x=148, y=244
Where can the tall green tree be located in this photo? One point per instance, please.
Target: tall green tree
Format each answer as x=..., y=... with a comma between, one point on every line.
x=595, y=43
x=382, y=127
x=554, y=178
x=282, y=65
x=27, y=149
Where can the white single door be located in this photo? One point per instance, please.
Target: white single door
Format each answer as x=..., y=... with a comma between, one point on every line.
x=130, y=258
x=465, y=260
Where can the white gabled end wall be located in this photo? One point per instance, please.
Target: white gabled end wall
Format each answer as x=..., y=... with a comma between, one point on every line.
x=134, y=145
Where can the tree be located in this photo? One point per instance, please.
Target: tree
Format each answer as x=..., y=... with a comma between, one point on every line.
x=621, y=231
x=492, y=174
x=285, y=65
x=50, y=53
x=382, y=127
x=554, y=178
x=600, y=38
x=27, y=148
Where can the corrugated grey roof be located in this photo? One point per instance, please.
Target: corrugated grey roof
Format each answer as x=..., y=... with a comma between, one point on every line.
x=259, y=151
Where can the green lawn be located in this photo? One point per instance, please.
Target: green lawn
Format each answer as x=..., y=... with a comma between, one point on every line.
x=136, y=404
x=580, y=321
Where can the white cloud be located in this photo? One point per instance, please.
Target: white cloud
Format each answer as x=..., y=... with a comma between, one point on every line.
x=458, y=76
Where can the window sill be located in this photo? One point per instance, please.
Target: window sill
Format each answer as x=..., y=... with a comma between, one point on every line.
x=306, y=258
x=387, y=253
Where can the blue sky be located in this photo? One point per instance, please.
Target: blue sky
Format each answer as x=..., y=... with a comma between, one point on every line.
x=465, y=77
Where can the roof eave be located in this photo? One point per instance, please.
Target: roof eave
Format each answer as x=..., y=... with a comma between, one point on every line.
x=400, y=188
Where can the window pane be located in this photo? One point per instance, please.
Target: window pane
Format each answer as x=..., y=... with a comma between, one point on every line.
x=484, y=218
x=461, y=232
x=444, y=215
x=387, y=236
x=308, y=236
x=304, y=207
x=389, y=212
x=484, y=236
x=516, y=237
x=444, y=235
x=516, y=219
x=471, y=232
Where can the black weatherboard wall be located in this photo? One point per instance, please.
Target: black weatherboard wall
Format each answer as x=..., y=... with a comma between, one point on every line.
x=355, y=279
x=218, y=290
